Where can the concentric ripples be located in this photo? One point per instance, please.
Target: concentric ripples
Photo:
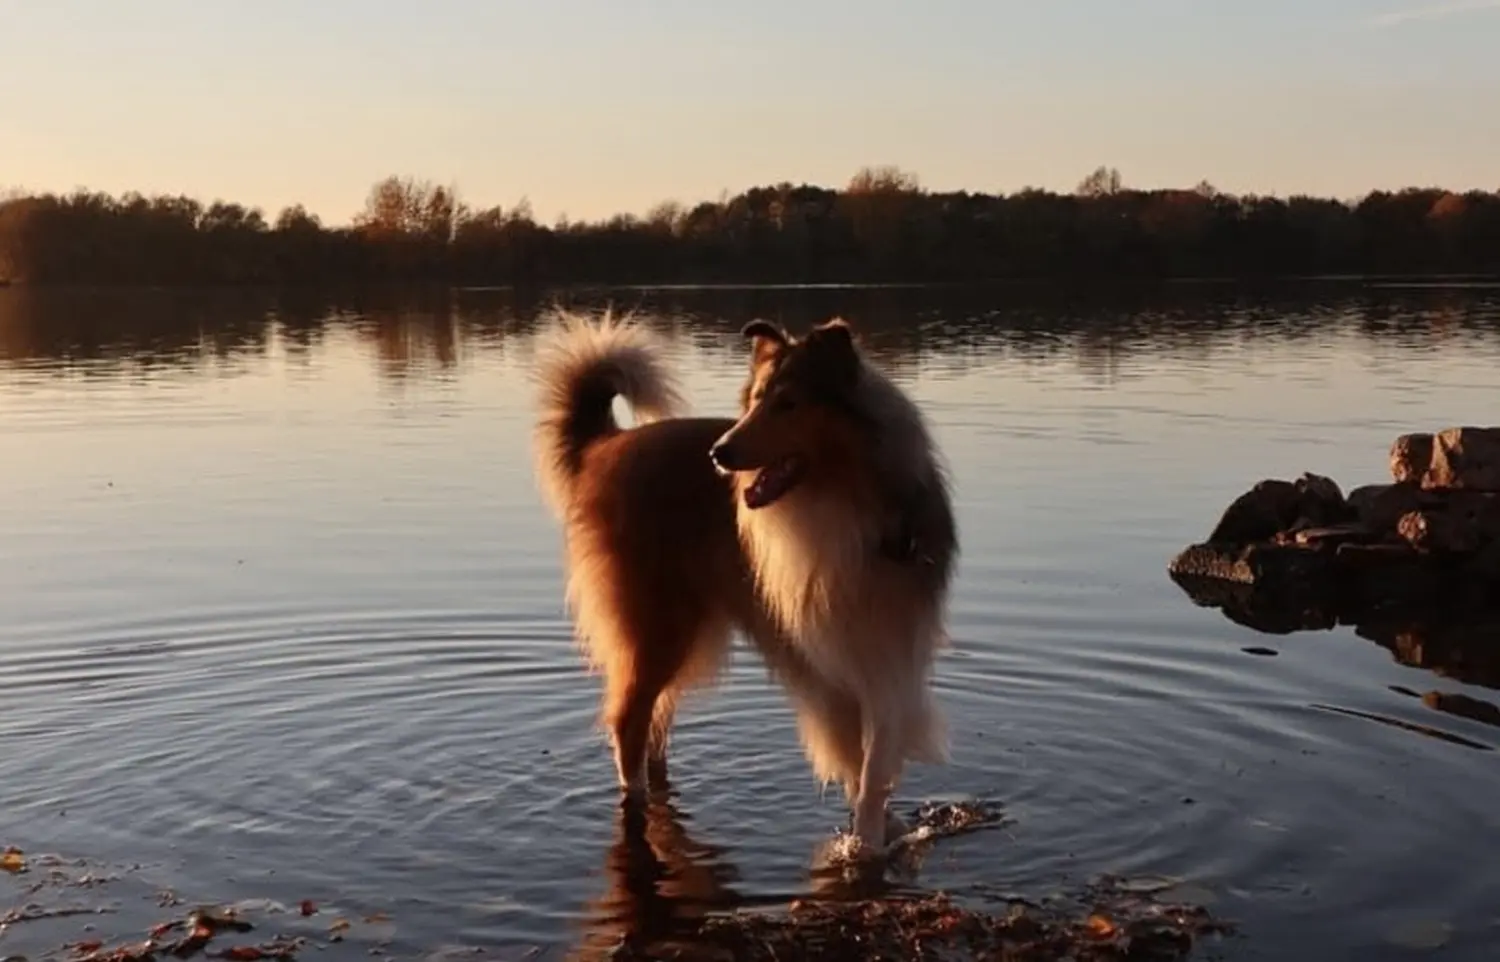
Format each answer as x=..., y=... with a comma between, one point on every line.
x=294, y=628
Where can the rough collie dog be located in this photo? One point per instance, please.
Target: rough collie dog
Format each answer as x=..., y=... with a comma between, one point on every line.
x=818, y=524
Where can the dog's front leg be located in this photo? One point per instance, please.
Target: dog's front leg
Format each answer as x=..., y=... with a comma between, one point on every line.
x=877, y=778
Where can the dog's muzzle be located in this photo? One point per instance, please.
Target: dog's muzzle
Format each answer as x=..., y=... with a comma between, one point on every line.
x=723, y=455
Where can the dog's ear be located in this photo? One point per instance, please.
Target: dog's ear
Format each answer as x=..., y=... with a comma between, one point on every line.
x=833, y=343
x=766, y=339
x=835, y=330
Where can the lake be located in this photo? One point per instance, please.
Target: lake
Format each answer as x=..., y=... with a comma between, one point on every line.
x=283, y=615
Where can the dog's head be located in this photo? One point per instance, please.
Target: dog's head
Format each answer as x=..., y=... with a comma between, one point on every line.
x=797, y=409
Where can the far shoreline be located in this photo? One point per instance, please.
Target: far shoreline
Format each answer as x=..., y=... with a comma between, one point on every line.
x=1103, y=284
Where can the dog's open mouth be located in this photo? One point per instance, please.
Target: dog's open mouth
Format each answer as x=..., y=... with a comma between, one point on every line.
x=773, y=481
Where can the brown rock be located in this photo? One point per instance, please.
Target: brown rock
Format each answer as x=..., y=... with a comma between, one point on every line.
x=1478, y=510
x=1320, y=488
x=1274, y=507
x=1380, y=506
x=1334, y=535
x=1439, y=532
x=1466, y=459
x=1261, y=563
x=1411, y=456
x=1259, y=514
x=1377, y=555
x=1321, y=503
x=1212, y=562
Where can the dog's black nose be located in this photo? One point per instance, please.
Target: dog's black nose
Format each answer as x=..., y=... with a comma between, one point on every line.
x=722, y=455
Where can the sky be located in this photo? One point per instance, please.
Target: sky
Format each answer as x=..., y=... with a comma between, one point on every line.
x=592, y=107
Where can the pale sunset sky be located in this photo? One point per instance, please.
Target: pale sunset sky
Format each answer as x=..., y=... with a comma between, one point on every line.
x=589, y=107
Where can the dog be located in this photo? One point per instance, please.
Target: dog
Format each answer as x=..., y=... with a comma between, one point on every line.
x=818, y=524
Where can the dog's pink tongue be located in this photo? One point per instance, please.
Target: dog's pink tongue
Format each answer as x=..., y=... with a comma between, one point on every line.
x=771, y=482
x=765, y=488
x=755, y=494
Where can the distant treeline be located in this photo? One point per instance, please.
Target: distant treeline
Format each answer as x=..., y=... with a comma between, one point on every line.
x=881, y=227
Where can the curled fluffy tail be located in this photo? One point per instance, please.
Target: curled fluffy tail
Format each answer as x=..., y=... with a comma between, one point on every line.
x=583, y=366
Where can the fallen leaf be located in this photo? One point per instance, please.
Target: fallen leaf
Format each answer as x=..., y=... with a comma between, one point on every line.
x=309, y=907
x=13, y=860
x=1100, y=927
x=243, y=953
x=84, y=948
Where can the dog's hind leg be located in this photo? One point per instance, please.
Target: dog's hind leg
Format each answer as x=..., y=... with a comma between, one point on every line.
x=657, y=744
x=686, y=648
x=631, y=714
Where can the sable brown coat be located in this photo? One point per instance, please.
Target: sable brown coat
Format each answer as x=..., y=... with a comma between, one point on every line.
x=818, y=524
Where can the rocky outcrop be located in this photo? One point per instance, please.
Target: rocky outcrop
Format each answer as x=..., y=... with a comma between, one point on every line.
x=1430, y=537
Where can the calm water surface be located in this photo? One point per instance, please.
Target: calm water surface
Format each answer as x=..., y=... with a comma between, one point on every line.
x=282, y=615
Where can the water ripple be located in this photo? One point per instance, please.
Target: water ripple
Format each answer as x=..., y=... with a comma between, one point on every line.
x=293, y=625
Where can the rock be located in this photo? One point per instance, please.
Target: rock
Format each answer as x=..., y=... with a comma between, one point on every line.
x=1217, y=561
x=1380, y=506
x=1300, y=553
x=1372, y=556
x=1322, y=501
x=1256, y=564
x=1465, y=459
x=1259, y=514
x=1411, y=456
x=1335, y=535
x=1479, y=511
x=1439, y=532
x=1272, y=507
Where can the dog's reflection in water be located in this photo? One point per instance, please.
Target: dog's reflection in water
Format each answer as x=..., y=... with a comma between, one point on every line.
x=659, y=882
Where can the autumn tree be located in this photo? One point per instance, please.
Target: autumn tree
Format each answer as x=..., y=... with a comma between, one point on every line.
x=1103, y=182
x=411, y=208
x=879, y=202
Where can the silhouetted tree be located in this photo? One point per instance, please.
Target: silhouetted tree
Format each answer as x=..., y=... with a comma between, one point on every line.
x=1103, y=182
x=881, y=226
